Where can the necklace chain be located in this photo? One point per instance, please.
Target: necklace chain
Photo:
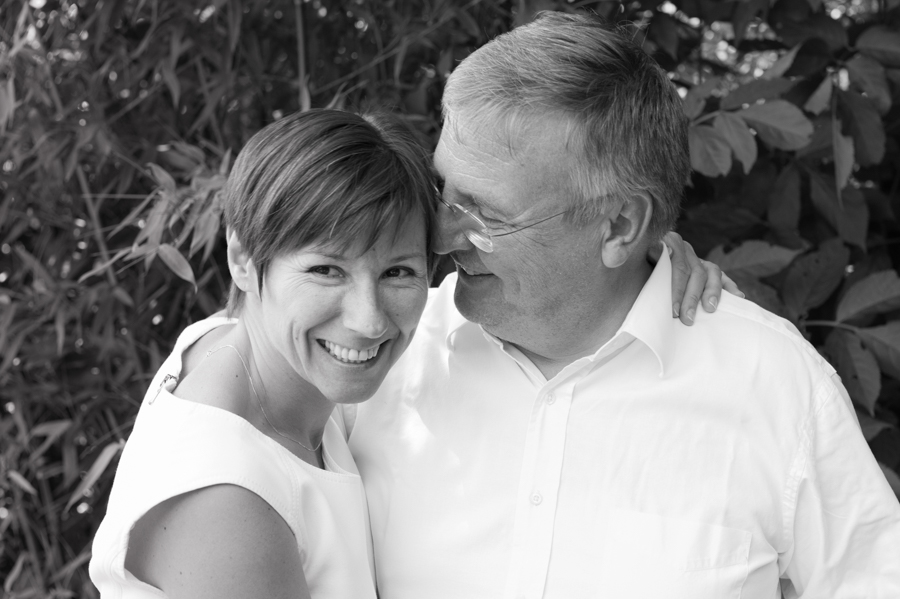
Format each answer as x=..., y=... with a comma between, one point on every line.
x=260, y=404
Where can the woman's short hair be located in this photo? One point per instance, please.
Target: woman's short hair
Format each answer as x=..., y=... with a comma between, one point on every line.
x=625, y=122
x=325, y=176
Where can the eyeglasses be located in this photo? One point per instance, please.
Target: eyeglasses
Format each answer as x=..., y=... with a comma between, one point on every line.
x=477, y=232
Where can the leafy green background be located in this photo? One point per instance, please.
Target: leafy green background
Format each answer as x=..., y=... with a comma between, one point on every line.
x=119, y=120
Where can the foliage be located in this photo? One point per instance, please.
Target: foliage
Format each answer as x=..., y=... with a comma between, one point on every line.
x=119, y=120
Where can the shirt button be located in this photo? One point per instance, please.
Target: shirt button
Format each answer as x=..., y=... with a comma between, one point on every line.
x=536, y=499
x=551, y=399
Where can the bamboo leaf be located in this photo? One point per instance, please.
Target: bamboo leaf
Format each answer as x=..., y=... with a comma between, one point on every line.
x=21, y=482
x=177, y=263
x=95, y=471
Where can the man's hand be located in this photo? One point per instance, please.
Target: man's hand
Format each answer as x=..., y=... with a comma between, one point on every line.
x=693, y=279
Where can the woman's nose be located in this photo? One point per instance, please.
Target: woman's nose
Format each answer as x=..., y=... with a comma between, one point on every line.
x=363, y=312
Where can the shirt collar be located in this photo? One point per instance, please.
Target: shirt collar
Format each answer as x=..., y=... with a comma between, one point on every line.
x=649, y=320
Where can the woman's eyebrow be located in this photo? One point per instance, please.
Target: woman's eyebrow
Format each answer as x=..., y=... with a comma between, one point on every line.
x=412, y=256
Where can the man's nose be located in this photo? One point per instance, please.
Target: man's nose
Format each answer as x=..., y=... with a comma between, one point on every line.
x=364, y=313
x=448, y=235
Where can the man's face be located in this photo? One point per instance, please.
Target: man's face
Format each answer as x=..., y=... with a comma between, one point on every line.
x=537, y=281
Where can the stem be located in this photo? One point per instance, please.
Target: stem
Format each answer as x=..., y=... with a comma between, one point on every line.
x=95, y=220
x=831, y=323
x=302, y=90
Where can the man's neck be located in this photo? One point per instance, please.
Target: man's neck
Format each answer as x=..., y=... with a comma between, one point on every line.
x=583, y=337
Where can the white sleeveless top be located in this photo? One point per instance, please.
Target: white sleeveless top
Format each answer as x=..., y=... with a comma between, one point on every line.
x=179, y=446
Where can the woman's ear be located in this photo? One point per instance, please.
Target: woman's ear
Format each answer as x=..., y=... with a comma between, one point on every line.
x=243, y=273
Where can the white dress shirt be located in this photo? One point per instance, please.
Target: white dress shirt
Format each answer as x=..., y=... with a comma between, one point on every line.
x=717, y=461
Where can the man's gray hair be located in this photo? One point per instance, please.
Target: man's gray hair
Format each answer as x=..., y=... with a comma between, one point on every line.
x=625, y=123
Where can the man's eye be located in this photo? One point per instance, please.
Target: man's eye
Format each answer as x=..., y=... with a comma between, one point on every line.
x=325, y=271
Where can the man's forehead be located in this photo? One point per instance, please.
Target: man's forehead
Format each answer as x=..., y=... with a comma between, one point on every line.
x=515, y=139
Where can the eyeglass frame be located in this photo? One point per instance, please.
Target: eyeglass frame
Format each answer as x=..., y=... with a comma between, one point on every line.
x=479, y=235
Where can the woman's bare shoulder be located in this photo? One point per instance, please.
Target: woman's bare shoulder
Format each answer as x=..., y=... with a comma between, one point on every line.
x=219, y=541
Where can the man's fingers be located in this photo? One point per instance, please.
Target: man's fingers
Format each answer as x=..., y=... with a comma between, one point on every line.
x=713, y=291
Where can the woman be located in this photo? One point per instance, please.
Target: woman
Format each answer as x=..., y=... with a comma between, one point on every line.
x=237, y=480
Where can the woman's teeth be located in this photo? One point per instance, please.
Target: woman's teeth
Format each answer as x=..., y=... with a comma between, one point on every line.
x=345, y=354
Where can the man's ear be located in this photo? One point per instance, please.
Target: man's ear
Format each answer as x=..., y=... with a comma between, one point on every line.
x=243, y=272
x=627, y=227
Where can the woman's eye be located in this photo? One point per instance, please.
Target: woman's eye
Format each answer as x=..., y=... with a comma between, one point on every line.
x=325, y=271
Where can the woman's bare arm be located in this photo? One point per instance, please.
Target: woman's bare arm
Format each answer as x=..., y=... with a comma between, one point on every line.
x=217, y=542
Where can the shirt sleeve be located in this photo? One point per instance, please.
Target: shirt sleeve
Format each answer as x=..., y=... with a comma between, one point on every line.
x=845, y=518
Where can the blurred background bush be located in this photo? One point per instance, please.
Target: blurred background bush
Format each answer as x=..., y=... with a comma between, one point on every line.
x=119, y=120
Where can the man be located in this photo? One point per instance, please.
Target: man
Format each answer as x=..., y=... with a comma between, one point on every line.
x=552, y=431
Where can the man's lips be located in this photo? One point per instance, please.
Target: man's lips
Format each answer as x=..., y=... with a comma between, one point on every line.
x=471, y=271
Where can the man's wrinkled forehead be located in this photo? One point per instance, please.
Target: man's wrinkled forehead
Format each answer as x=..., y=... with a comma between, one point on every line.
x=511, y=135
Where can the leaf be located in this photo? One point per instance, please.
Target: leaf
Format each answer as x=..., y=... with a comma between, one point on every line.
x=744, y=12
x=177, y=263
x=784, y=202
x=843, y=155
x=865, y=127
x=882, y=44
x=779, y=123
x=754, y=258
x=892, y=478
x=818, y=26
x=783, y=63
x=695, y=99
x=764, y=296
x=869, y=77
x=172, y=83
x=850, y=221
x=812, y=278
x=857, y=367
x=162, y=177
x=20, y=481
x=710, y=152
x=664, y=31
x=95, y=471
x=877, y=293
x=884, y=342
x=870, y=426
x=755, y=90
x=820, y=99
x=739, y=137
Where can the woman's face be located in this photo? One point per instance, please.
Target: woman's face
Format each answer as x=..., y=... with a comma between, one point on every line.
x=341, y=319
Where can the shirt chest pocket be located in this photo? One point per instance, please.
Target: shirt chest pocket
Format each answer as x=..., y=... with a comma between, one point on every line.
x=645, y=555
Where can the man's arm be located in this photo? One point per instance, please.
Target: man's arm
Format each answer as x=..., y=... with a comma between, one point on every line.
x=845, y=532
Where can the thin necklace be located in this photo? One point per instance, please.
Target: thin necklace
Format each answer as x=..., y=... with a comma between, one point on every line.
x=260, y=404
